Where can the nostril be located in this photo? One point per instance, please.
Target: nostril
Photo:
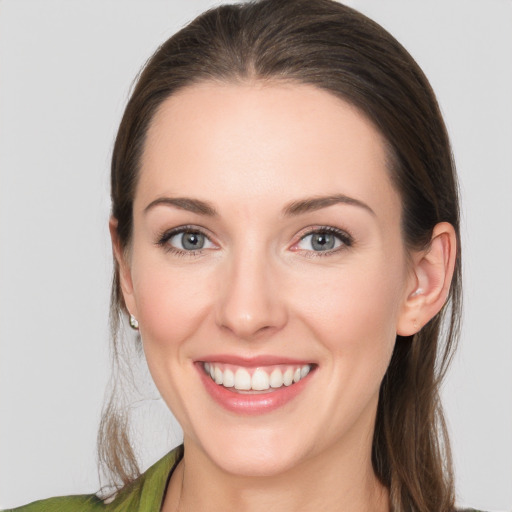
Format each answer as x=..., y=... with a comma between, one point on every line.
x=247, y=330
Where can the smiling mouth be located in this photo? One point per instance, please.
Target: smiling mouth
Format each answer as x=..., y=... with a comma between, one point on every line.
x=256, y=380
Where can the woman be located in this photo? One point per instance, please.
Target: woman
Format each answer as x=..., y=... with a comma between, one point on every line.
x=286, y=233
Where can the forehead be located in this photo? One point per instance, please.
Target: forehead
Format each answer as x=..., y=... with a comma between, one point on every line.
x=247, y=142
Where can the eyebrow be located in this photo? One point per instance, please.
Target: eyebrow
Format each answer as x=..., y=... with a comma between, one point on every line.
x=185, y=203
x=294, y=208
x=318, y=202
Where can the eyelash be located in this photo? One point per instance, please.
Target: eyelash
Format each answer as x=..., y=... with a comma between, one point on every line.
x=167, y=235
x=345, y=238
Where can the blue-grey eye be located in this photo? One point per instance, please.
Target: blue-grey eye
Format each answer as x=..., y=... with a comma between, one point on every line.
x=320, y=241
x=190, y=241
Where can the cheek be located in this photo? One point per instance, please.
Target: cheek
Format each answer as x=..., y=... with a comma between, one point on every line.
x=170, y=302
x=171, y=305
x=354, y=310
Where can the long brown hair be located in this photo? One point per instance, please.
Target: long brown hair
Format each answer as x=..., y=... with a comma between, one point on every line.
x=337, y=49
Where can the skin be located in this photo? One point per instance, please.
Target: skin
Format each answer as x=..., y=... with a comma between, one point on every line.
x=258, y=287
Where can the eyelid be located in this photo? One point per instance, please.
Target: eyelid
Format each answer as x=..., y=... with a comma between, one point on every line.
x=344, y=236
x=166, y=235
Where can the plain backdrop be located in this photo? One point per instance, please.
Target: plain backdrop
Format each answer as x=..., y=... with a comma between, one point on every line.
x=65, y=72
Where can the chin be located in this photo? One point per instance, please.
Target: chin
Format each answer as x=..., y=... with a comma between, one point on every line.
x=264, y=454
x=256, y=465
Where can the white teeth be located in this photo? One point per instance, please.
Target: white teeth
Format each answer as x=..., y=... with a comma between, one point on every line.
x=288, y=377
x=218, y=376
x=229, y=379
x=276, y=378
x=260, y=380
x=304, y=371
x=242, y=380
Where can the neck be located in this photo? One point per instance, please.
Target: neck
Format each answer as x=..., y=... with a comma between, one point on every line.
x=339, y=480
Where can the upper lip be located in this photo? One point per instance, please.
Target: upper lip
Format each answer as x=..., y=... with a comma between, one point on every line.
x=260, y=360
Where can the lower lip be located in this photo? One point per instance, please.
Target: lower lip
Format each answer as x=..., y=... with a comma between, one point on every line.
x=251, y=404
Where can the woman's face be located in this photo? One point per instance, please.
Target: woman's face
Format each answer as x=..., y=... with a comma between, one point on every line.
x=267, y=250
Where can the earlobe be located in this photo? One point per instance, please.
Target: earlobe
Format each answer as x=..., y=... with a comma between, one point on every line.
x=430, y=281
x=123, y=268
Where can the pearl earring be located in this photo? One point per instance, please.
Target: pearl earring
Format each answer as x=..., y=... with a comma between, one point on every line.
x=134, y=323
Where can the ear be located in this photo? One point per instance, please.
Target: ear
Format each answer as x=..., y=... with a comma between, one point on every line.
x=123, y=268
x=430, y=280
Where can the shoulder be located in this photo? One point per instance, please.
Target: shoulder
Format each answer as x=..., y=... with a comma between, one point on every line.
x=144, y=494
x=85, y=503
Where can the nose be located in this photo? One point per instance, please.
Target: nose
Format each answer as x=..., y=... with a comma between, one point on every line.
x=250, y=301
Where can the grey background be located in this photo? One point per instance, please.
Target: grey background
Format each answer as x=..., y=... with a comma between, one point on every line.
x=65, y=72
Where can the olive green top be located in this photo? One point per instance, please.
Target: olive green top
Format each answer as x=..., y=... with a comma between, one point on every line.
x=146, y=494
